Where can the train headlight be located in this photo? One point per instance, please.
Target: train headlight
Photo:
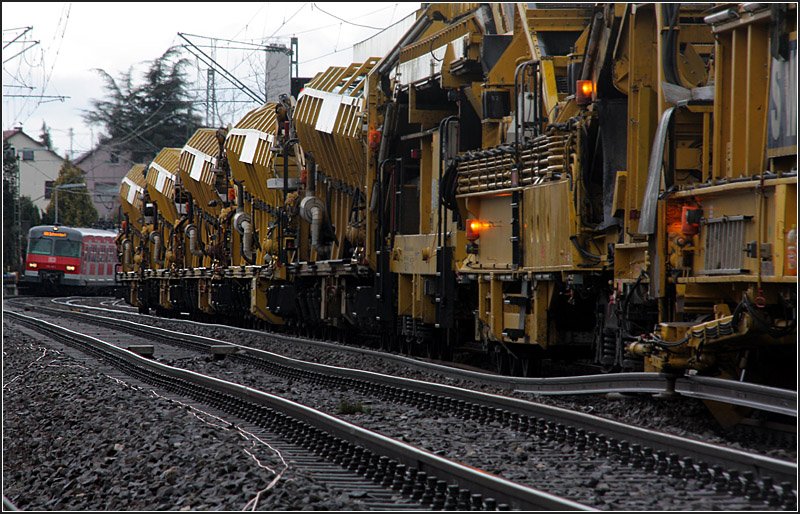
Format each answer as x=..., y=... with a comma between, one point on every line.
x=70, y=268
x=33, y=265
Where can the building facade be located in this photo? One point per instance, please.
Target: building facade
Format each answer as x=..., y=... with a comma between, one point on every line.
x=38, y=166
x=104, y=167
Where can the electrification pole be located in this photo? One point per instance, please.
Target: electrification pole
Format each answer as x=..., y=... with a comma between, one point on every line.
x=63, y=186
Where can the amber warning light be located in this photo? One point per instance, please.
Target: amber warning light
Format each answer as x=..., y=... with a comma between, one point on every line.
x=583, y=92
x=474, y=229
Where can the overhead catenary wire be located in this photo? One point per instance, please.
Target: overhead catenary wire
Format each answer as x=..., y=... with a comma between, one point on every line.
x=205, y=58
x=58, y=36
x=336, y=51
x=290, y=19
x=48, y=75
x=325, y=55
x=17, y=77
x=27, y=29
x=60, y=44
x=259, y=46
x=345, y=21
x=316, y=29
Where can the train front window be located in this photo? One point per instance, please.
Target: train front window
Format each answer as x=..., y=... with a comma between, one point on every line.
x=68, y=248
x=41, y=246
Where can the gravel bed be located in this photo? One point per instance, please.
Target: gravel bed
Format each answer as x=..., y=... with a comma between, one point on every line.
x=553, y=466
x=504, y=451
x=687, y=417
x=77, y=439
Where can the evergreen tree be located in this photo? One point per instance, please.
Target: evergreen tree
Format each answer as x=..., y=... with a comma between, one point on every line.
x=30, y=216
x=75, y=207
x=44, y=137
x=144, y=118
x=11, y=248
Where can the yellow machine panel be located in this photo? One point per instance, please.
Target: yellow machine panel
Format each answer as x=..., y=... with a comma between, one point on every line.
x=162, y=174
x=198, y=161
x=328, y=119
x=131, y=195
x=248, y=148
x=131, y=192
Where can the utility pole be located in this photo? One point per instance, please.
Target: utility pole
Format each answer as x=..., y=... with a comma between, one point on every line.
x=211, y=97
x=266, y=74
x=211, y=63
x=71, y=155
x=295, y=63
x=270, y=79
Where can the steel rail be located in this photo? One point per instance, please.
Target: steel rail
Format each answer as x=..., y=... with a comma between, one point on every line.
x=7, y=505
x=761, y=397
x=517, y=496
x=744, y=461
x=769, y=399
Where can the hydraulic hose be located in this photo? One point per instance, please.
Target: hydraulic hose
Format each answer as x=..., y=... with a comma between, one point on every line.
x=155, y=238
x=311, y=207
x=247, y=240
x=316, y=225
x=127, y=248
x=191, y=231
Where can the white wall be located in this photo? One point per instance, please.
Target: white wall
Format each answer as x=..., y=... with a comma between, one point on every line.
x=33, y=174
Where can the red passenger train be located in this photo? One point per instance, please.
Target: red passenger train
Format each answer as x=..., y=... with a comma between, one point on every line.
x=69, y=260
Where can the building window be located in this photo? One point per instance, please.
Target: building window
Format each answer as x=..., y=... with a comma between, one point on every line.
x=27, y=154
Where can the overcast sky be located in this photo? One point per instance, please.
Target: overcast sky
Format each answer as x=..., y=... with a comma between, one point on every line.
x=76, y=38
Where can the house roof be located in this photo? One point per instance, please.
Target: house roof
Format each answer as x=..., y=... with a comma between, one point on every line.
x=86, y=155
x=82, y=157
x=8, y=133
x=98, y=147
x=18, y=130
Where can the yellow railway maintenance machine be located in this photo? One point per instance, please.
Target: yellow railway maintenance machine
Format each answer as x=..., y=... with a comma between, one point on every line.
x=617, y=179
x=131, y=195
x=722, y=258
x=611, y=181
x=265, y=174
x=149, y=192
x=331, y=278
x=205, y=178
x=482, y=195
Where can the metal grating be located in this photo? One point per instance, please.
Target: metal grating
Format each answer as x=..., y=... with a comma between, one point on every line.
x=724, y=245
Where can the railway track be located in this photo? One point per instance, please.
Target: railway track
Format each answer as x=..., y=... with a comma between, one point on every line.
x=612, y=446
x=395, y=475
x=760, y=397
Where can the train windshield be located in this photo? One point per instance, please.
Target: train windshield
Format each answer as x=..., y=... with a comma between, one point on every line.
x=59, y=247
x=67, y=248
x=41, y=246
